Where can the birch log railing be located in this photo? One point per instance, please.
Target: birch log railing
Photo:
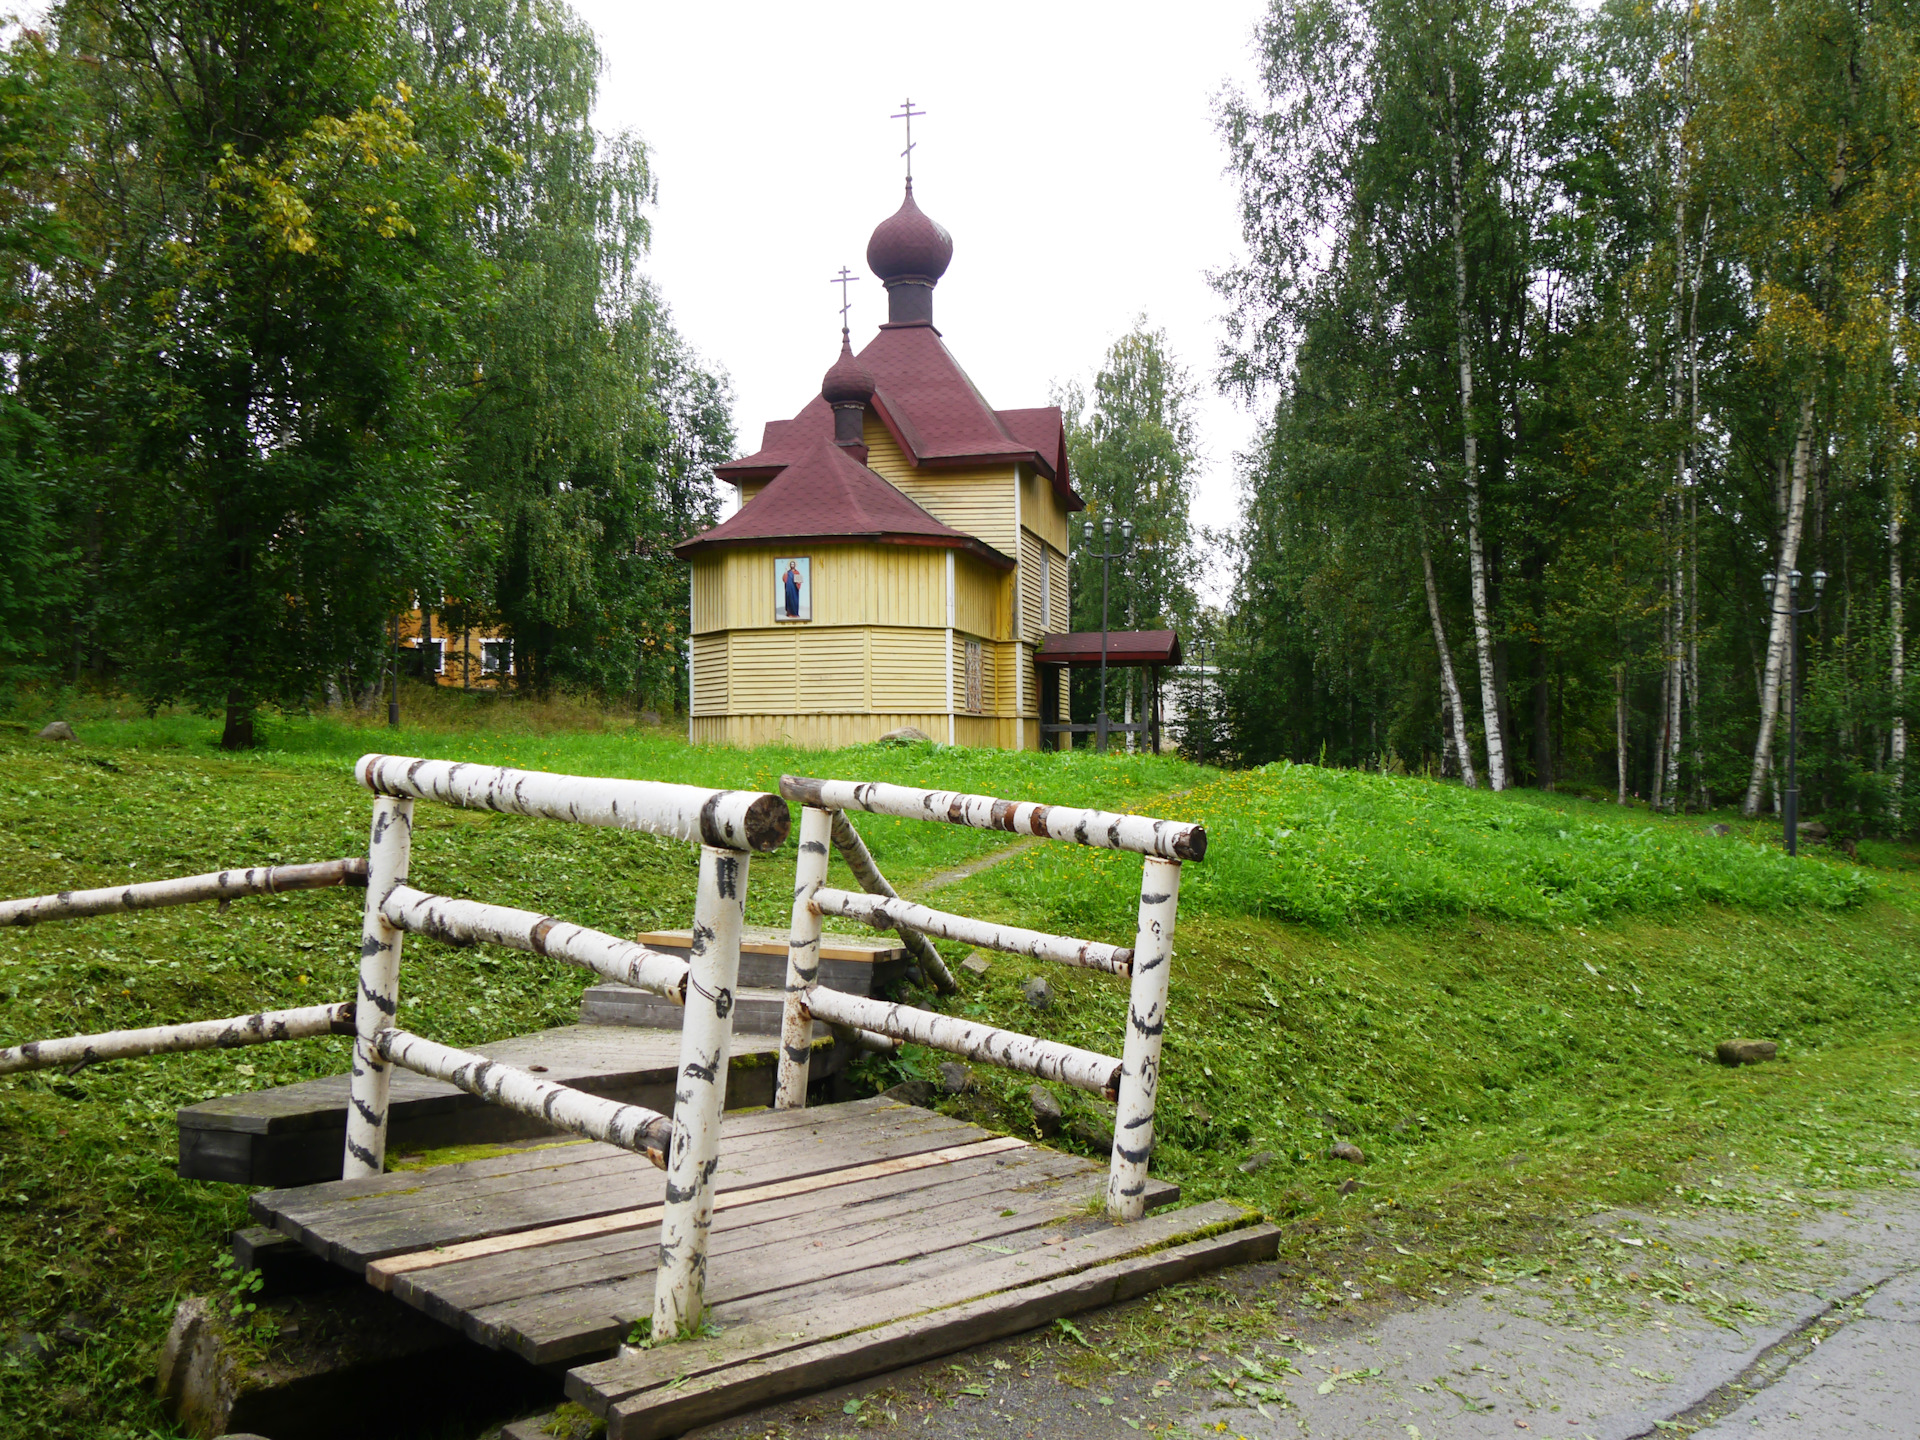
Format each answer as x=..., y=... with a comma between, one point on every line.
x=1133, y=1080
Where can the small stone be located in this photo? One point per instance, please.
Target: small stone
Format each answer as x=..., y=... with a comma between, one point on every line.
x=955, y=1078
x=650, y=717
x=1721, y=829
x=58, y=730
x=1346, y=1150
x=1199, y=1111
x=976, y=962
x=1037, y=992
x=1256, y=1162
x=28, y=1349
x=1349, y=1185
x=1046, y=1110
x=906, y=735
x=1745, y=1052
x=1092, y=1133
x=1813, y=830
x=910, y=1092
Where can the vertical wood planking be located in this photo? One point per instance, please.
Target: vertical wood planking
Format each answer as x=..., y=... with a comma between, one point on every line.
x=389, y=848
x=803, y=959
x=706, y=1034
x=1146, y=1026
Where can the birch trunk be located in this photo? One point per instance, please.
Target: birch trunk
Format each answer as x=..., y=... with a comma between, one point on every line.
x=1456, y=713
x=853, y=850
x=78, y=1050
x=187, y=890
x=1897, y=624
x=706, y=1040
x=803, y=959
x=1676, y=679
x=631, y=1127
x=1770, y=689
x=1146, y=1027
x=1620, y=728
x=885, y=914
x=1470, y=444
x=1008, y=1049
x=389, y=847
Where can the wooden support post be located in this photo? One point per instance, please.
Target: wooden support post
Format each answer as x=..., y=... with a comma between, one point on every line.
x=1146, y=1027
x=706, y=1036
x=803, y=959
x=389, y=848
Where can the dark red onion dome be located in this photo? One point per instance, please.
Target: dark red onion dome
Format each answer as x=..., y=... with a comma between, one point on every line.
x=848, y=382
x=909, y=246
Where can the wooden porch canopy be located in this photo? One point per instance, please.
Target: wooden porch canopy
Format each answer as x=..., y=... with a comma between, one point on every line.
x=1131, y=649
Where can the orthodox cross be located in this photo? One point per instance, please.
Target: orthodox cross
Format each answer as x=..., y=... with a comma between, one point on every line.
x=845, y=278
x=907, y=113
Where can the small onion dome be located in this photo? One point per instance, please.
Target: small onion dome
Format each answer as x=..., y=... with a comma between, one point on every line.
x=848, y=382
x=907, y=245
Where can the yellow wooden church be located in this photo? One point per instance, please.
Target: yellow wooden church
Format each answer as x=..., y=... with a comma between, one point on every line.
x=899, y=552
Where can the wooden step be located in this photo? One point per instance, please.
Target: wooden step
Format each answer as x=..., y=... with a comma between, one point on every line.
x=294, y=1134
x=755, y=1012
x=854, y=964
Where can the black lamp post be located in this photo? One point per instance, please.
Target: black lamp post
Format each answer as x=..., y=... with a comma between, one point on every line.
x=1790, y=799
x=1106, y=557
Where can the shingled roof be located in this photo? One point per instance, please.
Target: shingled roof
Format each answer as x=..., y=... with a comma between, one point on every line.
x=934, y=413
x=824, y=495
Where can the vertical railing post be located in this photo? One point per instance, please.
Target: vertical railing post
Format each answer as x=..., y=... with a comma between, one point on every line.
x=803, y=959
x=1146, y=1027
x=389, y=847
x=706, y=1039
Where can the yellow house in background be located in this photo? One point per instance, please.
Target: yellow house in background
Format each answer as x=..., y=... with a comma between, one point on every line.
x=900, y=551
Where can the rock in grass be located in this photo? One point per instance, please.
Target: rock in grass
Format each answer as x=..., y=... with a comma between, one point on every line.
x=1046, y=1110
x=1721, y=829
x=58, y=730
x=955, y=1078
x=1349, y=1185
x=1745, y=1052
x=1256, y=1162
x=906, y=735
x=910, y=1092
x=976, y=962
x=1092, y=1133
x=1348, y=1151
x=1037, y=992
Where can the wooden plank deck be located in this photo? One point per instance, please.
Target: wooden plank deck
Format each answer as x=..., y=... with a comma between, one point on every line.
x=847, y=1240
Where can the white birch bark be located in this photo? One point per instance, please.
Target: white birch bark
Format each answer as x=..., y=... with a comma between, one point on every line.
x=1470, y=443
x=631, y=1127
x=1456, y=713
x=1897, y=625
x=186, y=890
x=1620, y=728
x=472, y=922
x=803, y=959
x=1169, y=839
x=1676, y=674
x=1782, y=600
x=706, y=1040
x=854, y=851
x=78, y=1050
x=885, y=914
x=1009, y=1049
x=1146, y=1028
x=389, y=847
x=731, y=819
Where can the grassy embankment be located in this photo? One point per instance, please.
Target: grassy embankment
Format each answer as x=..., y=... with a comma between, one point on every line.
x=1508, y=1002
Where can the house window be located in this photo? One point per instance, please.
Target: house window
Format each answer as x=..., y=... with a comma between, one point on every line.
x=496, y=657
x=974, y=668
x=418, y=655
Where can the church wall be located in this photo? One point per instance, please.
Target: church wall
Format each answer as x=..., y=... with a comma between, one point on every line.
x=817, y=732
x=852, y=585
x=709, y=674
x=977, y=501
x=1041, y=510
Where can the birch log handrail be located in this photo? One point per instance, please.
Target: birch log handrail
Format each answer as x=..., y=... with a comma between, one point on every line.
x=471, y=922
x=1048, y=1059
x=854, y=851
x=237, y=1030
x=729, y=819
x=631, y=1127
x=885, y=914
x=1166, y=839
x=185, y=890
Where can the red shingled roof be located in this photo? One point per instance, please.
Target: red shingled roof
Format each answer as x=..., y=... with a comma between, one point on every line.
x=1124, y=647
x=825, y=495
x=932, y=410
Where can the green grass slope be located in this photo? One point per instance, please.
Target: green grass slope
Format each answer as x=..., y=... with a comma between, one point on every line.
x=1507, y=1001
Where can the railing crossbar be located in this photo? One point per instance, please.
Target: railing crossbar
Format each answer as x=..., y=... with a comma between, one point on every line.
x=183, y=890
x=227, y=1034
x=886, y=914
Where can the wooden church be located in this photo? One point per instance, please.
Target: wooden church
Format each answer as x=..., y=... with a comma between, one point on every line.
x=900, y=549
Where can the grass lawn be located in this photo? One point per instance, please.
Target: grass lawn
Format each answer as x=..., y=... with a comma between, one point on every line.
x=1509, y=1002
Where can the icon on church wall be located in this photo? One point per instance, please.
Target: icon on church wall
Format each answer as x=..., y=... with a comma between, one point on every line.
x=793, y=588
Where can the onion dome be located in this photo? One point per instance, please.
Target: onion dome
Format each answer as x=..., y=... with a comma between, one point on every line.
x=848, y=382
x=909, y=246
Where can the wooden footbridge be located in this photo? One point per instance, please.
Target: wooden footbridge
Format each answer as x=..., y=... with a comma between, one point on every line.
x=680, y=1258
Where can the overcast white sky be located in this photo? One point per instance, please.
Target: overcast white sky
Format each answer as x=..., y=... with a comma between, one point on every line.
x=1068, y=147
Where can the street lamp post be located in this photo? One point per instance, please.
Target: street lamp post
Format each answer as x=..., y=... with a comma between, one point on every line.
x=1790, y=798
x=1106, y=557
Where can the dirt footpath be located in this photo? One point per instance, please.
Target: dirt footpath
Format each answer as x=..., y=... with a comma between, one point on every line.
x=1765, y=1319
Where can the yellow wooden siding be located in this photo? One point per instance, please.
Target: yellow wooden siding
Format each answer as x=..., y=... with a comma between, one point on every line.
x=1041, y=510
x=710, y=675
x=1033, y=621
x=977, y=502
x=709, y=593
x=833, y=671
x=981, y=598
x=762, y=670
x=1006, y=673
x=1059, y=611
x=750, y=488
x=852, y=585
x=817, y=732
x=907, y=670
